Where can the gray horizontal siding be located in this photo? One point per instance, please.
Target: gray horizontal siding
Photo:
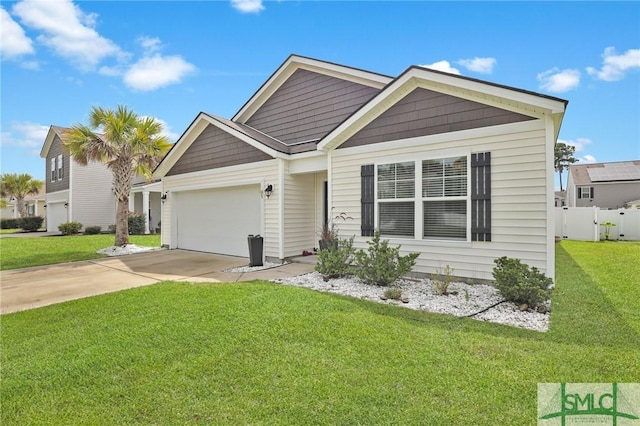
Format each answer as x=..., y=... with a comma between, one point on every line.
x=424, y=112
x=308, y=106
x=54, y=151
x=214, y=148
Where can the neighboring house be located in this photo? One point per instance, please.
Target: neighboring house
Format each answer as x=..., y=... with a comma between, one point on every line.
x=560, y=197
x=75, y=192
x=457, y=169
x=145, y=199
x=36, y=206
x=604, y=185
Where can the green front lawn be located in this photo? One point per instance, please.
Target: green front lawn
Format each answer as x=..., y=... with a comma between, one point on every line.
x=262, y=353
x=35, y=251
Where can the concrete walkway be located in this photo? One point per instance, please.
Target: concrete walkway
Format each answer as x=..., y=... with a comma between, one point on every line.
x=30, y=288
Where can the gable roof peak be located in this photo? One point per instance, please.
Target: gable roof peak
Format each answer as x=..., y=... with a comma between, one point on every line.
x=296, y=62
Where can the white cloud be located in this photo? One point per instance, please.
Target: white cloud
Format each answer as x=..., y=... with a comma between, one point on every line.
x=588, y=159
x=442, y=66
x=579, y=143
x=150, y=44
x=15, y=42
x=615, y=66
x=555, y=80
x=68, y=31
x=27, y=135
x=154, y=72
x=481, y=65
x=248, y=6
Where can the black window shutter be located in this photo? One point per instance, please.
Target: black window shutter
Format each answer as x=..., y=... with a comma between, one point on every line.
x=481, y=196
x=367, y=200
x=592, y=192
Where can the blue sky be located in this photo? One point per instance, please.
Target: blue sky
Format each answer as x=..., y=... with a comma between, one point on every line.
x=171, y=59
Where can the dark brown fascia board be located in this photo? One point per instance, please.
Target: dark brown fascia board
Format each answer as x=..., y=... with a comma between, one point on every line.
x=302, y=57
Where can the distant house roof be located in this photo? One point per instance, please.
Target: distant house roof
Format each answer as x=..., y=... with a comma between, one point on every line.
x=621, y=171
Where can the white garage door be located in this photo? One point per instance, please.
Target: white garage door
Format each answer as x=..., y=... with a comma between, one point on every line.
x=56, y=214
x=218, y=220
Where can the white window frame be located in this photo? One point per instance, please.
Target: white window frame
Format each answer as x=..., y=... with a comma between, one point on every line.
x=581, y=191
x=418, y=199
x=60, y=167
x=54, y=171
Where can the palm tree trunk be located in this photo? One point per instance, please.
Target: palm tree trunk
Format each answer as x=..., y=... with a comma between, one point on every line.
x=560, y=180
x=122, y=222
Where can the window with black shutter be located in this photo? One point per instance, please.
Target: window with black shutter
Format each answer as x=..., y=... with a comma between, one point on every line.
x=481, y=196
x=367, y=200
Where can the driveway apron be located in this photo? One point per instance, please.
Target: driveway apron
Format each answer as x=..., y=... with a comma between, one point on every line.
x=35, y=287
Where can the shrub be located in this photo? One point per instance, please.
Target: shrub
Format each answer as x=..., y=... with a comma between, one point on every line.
x=335, y=261
x=519, y=283
x=442, y=279
x=9, y=223
x=136, y=223
x=30, y=224
x=92, y=230
x=393, y=293
x=70, y=228
x=381, y=264
x=111, y=229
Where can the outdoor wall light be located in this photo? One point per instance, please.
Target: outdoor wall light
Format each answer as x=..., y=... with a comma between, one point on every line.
x=164, y=197
x=66, y=205
x=268, y=190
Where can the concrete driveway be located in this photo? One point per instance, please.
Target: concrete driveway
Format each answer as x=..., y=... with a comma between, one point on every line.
x=45, y=285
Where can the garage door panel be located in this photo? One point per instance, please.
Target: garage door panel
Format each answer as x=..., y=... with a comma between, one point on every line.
x=218, y=220
x=56, y=214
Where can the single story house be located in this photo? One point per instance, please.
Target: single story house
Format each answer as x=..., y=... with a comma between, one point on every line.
x=605, y=185
x=457, y=169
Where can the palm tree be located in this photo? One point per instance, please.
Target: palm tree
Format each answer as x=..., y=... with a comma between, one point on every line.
x=19, y=186
x=127, y=144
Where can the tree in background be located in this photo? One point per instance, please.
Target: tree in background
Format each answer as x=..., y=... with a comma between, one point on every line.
x=127, y=144
x=19, y=186
x=563, y=158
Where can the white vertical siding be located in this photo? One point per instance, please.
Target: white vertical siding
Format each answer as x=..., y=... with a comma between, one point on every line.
x=92, y=200
x=260, y=172
x=519, y=174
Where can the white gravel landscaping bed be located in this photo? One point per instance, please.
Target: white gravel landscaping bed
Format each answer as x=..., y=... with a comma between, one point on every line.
x=247, y=268
x=126, y=249
x=421, y=295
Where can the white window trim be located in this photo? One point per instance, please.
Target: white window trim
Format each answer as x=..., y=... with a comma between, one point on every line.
x=60, y=169
x=580, y=190
x=53, y=173
x=418, y=199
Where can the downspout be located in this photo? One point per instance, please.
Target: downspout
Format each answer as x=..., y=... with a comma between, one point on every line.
x=550, y=138
x=281, y=194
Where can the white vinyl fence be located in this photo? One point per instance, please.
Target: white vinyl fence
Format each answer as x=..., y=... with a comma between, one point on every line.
x=585, y=223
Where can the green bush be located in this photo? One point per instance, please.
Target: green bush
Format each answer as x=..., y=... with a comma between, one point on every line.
x=9, y=223
x=92, y=230
x=30, y=224
x=521, y=284
x=111, y=229
x=70, y=228
x=335, y=261
x=381, y=264
x=136, y=223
